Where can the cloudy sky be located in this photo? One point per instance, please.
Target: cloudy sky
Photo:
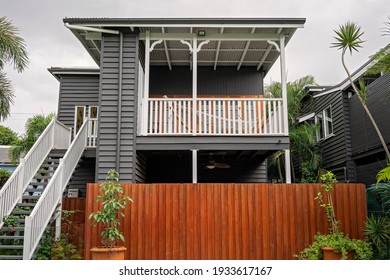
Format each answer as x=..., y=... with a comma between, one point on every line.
x=51, y=44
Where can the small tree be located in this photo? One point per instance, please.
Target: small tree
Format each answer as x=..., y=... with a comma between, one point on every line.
x=34, y=128
x=114, y=202
x=7, y=136
x=13, y=50
x=349, y=39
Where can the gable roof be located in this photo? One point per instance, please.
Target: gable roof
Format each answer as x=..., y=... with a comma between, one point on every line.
x=233, y=41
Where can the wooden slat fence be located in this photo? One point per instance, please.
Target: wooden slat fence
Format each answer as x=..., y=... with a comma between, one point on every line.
x=226, y=221
x=77, y=221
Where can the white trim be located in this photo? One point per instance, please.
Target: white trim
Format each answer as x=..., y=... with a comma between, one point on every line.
x=346, y=83
x=268, y=50
x=287, y=160
x=202, y=44
x=166, y=51
x=188, y=44
x=93, y=29
x=306, y=117
x=194, y=81
x=212, y=37
x=145, y=101
x=274, y=43
x=154, y=44
x=197, y=25
x=194, y=166
x=283, y=79
x=217, y=51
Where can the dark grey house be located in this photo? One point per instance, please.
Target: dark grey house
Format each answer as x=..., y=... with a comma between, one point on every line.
x=178, y=100
x=350, y=146
x=172, y=100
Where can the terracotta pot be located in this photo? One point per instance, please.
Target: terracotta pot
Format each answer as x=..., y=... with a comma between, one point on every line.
x=116, y=253
x=330, y=254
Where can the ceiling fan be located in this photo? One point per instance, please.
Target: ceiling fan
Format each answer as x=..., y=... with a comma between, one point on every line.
x=213, y=164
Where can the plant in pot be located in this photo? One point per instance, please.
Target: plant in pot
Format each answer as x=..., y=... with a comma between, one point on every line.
x=335, y=244
x=114, y=202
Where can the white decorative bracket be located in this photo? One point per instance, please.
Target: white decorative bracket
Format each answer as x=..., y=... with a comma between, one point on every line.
x=154, y=44
x=274, y=43
x=202, y=44
x=188, y=44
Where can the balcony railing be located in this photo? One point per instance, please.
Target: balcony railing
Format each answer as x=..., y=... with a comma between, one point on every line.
x=215, y=116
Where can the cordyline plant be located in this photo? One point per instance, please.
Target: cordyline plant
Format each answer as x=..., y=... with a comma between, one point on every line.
x=113, y=205
x=349, y=38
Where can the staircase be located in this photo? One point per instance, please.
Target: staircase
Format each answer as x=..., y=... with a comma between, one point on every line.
x=12, y=232
x=33, y=193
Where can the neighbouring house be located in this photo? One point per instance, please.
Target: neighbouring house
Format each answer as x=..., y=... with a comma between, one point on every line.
x=5, y=162
x=172, y=101
x=349, y=144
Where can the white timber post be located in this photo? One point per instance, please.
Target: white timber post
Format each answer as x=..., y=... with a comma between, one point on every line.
x=27, y=238
x=194, y=82
x=145, y=101
x=194, y=166
x=21, y=180
x=58, y=223
x=285, y=108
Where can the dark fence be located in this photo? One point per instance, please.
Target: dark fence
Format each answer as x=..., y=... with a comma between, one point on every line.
x=226, y=221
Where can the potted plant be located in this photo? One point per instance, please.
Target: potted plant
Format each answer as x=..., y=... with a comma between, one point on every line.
x=335, y=244
x=114, y=202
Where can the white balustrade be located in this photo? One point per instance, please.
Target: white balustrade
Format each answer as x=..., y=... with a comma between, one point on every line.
x=39, y=218
x=215, y=116
x=55, y=135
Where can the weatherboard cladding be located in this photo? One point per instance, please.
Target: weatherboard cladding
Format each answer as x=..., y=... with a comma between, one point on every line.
x=76, y=90
x=364, y=137
x=109, y=120
x=333, y=148
x=223, y=81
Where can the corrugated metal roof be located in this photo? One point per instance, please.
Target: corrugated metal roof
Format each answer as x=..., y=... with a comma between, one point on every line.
x=230, y=52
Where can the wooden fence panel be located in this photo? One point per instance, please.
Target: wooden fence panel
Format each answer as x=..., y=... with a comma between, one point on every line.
x=227, y=221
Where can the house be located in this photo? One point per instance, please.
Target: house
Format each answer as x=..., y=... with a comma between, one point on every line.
x=350, y=145
x=5, y=162
x=172, y=100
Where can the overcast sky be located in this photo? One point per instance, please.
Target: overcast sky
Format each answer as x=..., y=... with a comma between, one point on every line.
x=50, y=43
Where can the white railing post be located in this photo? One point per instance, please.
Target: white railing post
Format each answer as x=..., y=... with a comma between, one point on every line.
x=58, y=224
x=27, y=238
x=194, y=82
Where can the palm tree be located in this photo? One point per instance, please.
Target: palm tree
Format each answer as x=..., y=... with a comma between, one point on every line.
x=349, y=39
x=12, y=50
x=382, y=57
x=295, y=94
x=34, y=128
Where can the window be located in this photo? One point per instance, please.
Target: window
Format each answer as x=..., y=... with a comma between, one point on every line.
x=325, y=123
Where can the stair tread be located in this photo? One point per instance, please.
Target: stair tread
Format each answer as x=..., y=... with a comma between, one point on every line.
x=43, y=177
x=11, y=247
x=7, y=237
x=21, y=212
x=38, y=183
x=25, y=204
x=11, y=257
x=30, y=197
x=8, y=229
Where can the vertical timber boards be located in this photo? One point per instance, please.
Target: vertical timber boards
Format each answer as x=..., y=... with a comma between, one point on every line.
x=227, y=221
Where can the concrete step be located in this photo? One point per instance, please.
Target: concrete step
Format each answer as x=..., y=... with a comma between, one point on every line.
x=11, y=257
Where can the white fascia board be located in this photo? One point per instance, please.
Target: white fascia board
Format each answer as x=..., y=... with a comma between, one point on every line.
x=196, y=25
x=306, y=117
x=346, y=83
x=212, y=37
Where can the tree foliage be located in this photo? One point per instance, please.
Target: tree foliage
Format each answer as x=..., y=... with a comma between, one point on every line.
x=348, y=38
x=12, y=50
x=381, y=59
x=7, y=136
x=34, y=128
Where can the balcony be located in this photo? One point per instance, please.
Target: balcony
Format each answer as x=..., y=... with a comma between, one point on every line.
x=214, y=116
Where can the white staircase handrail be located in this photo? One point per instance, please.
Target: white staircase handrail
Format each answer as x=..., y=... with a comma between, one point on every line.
x=55, y=135
x=39, y=218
